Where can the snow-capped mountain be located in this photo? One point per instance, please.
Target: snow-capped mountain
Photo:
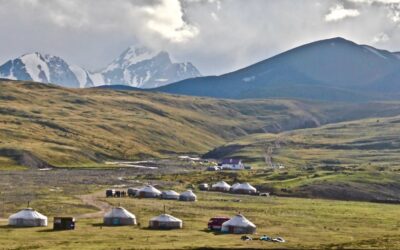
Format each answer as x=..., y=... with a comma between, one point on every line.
x=143, y=68
x=45, y=68
x=136, y=67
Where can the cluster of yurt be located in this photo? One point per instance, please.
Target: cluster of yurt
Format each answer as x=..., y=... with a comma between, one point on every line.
x=187, y=196
x=165, y=221
x=151, y=192
x=27, y=217
x=221, y=186
x=238, y=225
x=119, y=216
x=239, y=188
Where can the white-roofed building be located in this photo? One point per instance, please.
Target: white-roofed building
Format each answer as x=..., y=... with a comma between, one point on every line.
x=221, y=186
x=165, y=221
x=148, y=192
x=119, y=216
x=27, y=217
x=170, y=195
x=188, y=196
x=238, y=225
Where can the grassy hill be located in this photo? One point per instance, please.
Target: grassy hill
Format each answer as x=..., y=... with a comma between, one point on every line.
x=350, y=160
x=44, y=124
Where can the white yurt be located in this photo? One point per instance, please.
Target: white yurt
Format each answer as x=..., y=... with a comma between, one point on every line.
x=188, y=196
x=244, y=188
x=221, y=186
x=119, y=216
x=27, y=217
x=170, y=195
x=165, y=221
x=234, y=186
x=148, y=192
x=238, y=225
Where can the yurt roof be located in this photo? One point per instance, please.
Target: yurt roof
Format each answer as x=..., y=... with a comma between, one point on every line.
x=239, y=221
x=150, y=189
x=245, y=186
x=119, y=212
x=166, y=218
x=28, y=213
x=235, y=185
x=170, y=192
x=221, y=184
x=188, y=193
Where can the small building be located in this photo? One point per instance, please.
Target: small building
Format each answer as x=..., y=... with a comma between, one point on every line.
x=232, y=164
x=215, y=223
x=238, y=225
x=27, y=217
x=165, y=221
x=64, y=223
x=148, y=192
x=170, y=195
x=244, y=188
x=188, y=196
x=204, y=187
x=119, y=216
x=221, y=186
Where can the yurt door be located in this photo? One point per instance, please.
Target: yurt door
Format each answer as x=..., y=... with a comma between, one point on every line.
x=231, y=229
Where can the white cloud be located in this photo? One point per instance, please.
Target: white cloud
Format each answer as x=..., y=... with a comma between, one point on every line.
x=216, y=35
x=338, y=12
x=166, y=18
x=381, y=38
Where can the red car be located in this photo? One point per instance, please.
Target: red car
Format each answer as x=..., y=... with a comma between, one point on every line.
x=215, y=223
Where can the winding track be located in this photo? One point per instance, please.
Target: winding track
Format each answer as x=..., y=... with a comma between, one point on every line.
x=91, y=199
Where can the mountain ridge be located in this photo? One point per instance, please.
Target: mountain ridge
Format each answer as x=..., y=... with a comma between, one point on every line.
x=135, y=67
x=333, y=69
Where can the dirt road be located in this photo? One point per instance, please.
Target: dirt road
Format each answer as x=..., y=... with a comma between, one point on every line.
x=92, y=199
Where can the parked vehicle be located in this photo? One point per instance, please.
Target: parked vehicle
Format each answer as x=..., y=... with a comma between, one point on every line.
x=215, y=223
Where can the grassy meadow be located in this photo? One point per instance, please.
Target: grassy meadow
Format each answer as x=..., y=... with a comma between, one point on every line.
x=304, y=223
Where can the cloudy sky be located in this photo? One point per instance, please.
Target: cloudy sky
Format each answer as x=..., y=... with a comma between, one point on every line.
x=218, y=36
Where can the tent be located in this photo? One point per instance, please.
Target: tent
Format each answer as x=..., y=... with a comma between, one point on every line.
x=244, y=188
x=27, y=217
x=119, y=216
x=165, y=221
x=188, y=196
x=238, y=225
x=148, y=192
x=221, y=186
x=234, y=186
x=170, y=195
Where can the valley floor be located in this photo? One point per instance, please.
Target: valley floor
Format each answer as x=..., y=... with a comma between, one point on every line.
x=304, y=223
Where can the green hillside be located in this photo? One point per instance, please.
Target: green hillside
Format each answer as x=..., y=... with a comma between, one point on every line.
x=82, y=127
x=351, y=160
